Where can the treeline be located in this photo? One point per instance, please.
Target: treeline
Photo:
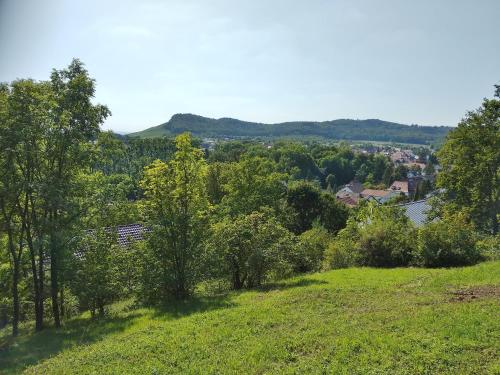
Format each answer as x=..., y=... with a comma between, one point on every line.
x=235, y=217
x=344, y=129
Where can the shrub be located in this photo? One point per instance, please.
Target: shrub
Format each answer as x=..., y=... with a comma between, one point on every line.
x=341, y=253
x=311, y=250
x=386, y=244
x=377, y=236
x=95, y=282
x=250, y=250
x=489, y=247
x=448, y=243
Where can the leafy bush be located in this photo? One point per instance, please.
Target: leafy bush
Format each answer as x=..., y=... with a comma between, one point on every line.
x=386, y=244
x=449, y=242
x=250, y=250
x=311, y=249
x=489, y=247
x=341, y=253
x=95, y=282
x=376, y=236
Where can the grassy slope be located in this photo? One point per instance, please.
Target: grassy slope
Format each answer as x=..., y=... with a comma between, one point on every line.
x=356, y=321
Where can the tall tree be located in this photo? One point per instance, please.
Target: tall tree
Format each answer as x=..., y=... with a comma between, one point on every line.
x=30, y=104
x=470, y=160
x=176, y=207
x=48, y=136
x=10, y=197
x=76, y=122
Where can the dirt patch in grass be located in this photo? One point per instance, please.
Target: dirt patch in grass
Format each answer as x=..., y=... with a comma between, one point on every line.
x=473, y=293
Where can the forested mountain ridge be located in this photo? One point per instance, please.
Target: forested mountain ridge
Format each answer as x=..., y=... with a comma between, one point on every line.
x=341, y=129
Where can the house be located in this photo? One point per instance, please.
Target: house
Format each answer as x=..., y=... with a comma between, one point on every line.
x=415, y=164
x=381, y=196
x=374, y=193
x=402, y=156
x=417, y=211
x=349, y=201
x=353, y=188
x=401, y=186
x=130, y=233
x=125, y=235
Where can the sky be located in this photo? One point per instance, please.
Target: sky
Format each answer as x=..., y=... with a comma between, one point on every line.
x=421, y=62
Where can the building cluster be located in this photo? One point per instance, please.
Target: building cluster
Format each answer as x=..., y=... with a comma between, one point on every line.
x=354, y=191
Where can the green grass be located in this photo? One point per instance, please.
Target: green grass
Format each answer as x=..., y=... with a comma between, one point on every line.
x=354, y=321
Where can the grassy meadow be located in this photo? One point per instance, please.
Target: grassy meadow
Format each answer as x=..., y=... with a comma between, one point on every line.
x=352, y=321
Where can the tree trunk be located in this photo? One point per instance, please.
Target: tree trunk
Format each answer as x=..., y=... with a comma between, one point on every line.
x=101, y=309
x=54, y=289
x=15, y=300
x=39, y=293
x=54, y=268
x=237, y=284
x=15, y=283
x=61, y=301
x=37, y=275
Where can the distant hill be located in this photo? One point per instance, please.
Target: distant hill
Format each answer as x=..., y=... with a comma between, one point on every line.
x=342, y=129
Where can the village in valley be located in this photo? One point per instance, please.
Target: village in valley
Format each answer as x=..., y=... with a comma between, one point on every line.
x=249, y=187
x=411, y=193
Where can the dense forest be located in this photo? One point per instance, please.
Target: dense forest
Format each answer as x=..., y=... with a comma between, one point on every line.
x=353, y=130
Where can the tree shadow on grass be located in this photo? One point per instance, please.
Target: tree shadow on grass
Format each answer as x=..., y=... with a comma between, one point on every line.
x=177, y=309
x=284, y=285
x=31, y=348
x=198, y=304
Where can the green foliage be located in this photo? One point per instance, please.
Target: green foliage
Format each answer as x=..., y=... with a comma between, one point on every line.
x=228, y=152
x=400, y=173
x=308, y=204
x=489, y=247
x=114, y=155
x=311, y=249
x=96, y=282
x=215, y=182
x=424, y=187
x=333, y=215
x=104, y=200
x=303, y=198
x=470, y=160
x=429, y=169
x=377, y=236
x=295, y=160
x=251, y=249
x=449, y=242
x=251, y=184
x=176, y=208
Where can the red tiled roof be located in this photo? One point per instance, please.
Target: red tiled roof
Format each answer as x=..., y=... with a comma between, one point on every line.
x=374, y=193
x=348, y=201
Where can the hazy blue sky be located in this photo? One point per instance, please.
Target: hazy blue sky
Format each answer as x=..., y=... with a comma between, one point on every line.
x=424, y=62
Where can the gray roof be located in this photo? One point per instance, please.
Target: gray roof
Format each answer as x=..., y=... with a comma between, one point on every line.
x=417, y=211
x=131, y=233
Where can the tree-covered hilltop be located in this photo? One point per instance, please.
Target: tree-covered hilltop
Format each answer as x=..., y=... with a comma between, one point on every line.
x=342, y=129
